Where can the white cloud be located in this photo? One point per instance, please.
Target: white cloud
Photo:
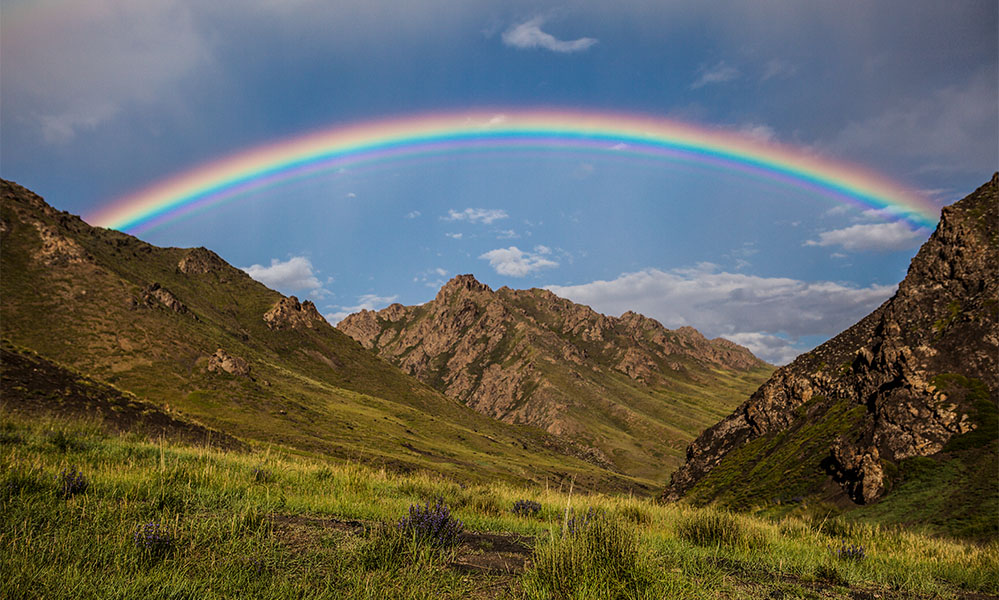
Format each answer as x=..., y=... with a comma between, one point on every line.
x=719, y=303
x=293, y=274
x=365, y=302
x=441, y=272
x=413, y=214
x=719, y=73
x=455, y=236
x=506, y=234
x=759, y=132
x=476, y=215
x=351, y=195
x=778, y=68
x=529, y=35
x=515, y=262
x=878, y=236
x=774, y=349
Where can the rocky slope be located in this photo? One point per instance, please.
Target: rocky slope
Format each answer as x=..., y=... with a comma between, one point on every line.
x=615, y=388
x=191, y=335
x=912, y=379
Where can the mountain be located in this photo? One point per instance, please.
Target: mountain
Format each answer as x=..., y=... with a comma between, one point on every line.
x=898, y=412
x=183, y=334
x=626, y=392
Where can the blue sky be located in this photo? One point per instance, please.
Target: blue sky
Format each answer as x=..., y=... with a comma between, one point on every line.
x=104, y=97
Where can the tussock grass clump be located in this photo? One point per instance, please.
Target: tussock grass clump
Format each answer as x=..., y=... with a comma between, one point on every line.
x=711, y=527
x=593, y=556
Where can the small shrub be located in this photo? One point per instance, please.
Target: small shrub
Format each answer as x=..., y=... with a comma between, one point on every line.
x=152, y=540
x=71, y=482
x=526, y=508
x=848, y=551
x=432, y=525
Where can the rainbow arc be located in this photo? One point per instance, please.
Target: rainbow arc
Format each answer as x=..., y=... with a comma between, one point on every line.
x=549, y=130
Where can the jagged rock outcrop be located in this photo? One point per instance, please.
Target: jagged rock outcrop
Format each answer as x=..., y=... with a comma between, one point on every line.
x=289, y=313
x=223, y=361
x=154, y=293
x=529, y=356
x=199, y=261
x=940, y=325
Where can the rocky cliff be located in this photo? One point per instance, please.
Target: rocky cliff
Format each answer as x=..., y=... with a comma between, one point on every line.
x=912, y=379
x=608, y=385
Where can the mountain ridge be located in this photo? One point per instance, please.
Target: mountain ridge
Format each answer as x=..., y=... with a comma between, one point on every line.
x=529, y=356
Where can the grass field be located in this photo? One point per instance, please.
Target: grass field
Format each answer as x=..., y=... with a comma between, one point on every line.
x=87, y=514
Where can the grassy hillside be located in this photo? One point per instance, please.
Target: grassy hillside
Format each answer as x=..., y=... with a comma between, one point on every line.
x=92, y=515
x=148, y=320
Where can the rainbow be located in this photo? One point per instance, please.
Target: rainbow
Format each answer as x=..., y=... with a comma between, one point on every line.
x=549, y=130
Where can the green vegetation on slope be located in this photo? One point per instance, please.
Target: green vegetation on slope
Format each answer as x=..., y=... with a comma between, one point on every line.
x=88, y=515
x=80, y=296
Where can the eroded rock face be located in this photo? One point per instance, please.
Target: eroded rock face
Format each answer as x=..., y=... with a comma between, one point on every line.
x=942, y=320
x=57, y=249
x=289, y=313
x=155, y=294
x=529, y=356
x=225, y=362
x=199, y=261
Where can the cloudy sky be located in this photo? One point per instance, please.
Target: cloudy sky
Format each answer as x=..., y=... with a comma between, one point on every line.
x=102, y=98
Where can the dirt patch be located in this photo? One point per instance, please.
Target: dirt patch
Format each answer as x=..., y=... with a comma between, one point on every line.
x=499, y=553
x=478, y=553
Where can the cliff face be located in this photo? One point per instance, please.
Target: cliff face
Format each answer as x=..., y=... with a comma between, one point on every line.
x=903, y=382
x=610, y=386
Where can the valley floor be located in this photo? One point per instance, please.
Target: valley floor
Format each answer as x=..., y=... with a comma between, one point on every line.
x=92, y=514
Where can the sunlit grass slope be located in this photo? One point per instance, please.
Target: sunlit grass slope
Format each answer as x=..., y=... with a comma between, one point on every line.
x=88, y=515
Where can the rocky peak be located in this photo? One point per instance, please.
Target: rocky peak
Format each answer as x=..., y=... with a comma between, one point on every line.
x=941, y=323
x=461, y=285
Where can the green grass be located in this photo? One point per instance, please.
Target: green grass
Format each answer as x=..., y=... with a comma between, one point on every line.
x=272, y=524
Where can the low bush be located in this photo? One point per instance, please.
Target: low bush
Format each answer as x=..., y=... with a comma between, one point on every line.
x=432, y=525
x=71, y=482
x=526, y=508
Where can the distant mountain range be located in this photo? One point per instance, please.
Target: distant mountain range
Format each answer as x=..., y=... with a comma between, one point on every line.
x=899, y=412
x=626, y=393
